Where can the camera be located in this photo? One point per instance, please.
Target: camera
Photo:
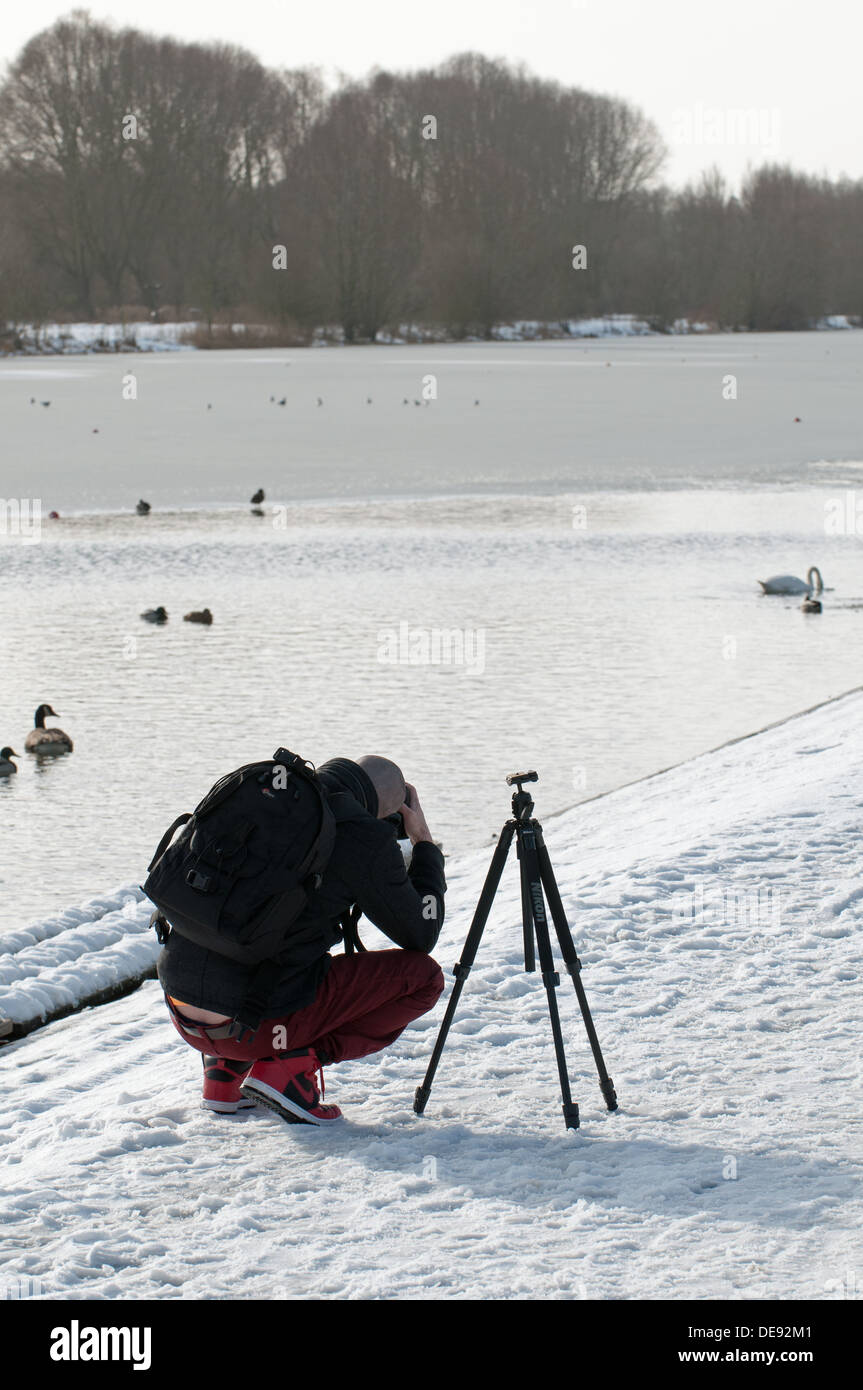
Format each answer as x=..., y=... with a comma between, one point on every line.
x=397, y=820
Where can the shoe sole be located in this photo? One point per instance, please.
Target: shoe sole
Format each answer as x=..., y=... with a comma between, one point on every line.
x=289, y=1111
x=228, y=1107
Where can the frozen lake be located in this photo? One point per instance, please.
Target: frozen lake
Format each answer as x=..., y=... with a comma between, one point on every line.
x=591, y=536
x=630, y=413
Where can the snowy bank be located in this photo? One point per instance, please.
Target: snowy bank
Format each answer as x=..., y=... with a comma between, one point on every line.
x=85, y=955
x=716, y=908
x=75, y=338
x=53, y=339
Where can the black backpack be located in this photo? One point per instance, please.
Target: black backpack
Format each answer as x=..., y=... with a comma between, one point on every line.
x=251, y=854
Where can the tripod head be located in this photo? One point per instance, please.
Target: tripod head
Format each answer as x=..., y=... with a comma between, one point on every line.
x=522, y=801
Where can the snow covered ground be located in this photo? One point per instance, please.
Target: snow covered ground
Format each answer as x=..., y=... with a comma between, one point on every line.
x=145, y=336
x=64, y=961
x=716, y=908
x=52, y=338
x=73, y=338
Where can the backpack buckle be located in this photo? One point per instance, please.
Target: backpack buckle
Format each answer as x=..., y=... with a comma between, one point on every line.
x=200, y=882
x=161, y=927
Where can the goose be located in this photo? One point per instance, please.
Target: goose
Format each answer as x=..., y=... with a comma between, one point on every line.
x=789, y=584
x=811, y=605
x=142, y=508
x=42, y=740
x=155, y=615
x=204, y=616
x=7, y=767
x=257, y=497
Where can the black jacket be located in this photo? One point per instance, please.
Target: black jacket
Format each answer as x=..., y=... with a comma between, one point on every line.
x=366, y=868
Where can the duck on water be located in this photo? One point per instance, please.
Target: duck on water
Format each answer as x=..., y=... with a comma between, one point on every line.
x=7, y=767
x=42, y=740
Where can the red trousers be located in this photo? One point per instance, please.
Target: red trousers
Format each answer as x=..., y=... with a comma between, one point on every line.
x=364, y=1002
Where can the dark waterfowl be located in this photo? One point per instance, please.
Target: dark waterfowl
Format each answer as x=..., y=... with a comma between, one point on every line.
x=7, y=767
x=811, y=605
x=204, y=616
x=42, y=740
x=257, y=498
x=142, y=508
x=155, y=615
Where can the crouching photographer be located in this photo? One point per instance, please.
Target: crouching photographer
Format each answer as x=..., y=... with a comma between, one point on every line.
x=267, y=1030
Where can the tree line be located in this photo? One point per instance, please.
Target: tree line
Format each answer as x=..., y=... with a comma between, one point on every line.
x=138, y=171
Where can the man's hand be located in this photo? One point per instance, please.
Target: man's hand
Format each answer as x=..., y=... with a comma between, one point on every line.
x=413, y=817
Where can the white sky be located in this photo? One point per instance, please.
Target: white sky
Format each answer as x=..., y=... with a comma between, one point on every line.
x=794, y=64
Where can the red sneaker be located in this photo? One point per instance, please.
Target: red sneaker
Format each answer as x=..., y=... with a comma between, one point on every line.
x=222, y=1077
x=287, y=1085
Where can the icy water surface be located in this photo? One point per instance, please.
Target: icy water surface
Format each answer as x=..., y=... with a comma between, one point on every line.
x=595, y=637
x=573, y=529
x=196, y=428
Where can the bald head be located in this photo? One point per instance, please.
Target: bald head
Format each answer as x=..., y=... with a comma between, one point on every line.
x=388, y=780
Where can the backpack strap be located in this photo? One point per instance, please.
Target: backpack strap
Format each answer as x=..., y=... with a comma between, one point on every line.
x=168, y=837
x=348, y=923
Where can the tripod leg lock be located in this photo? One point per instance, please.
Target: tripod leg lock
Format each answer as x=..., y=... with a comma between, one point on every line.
x=460, y=971
x=550, y=978
x=574, y=967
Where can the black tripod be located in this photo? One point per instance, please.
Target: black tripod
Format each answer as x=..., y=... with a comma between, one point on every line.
x=536, y=875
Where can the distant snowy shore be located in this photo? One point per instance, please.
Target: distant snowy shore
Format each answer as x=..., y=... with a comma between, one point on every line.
x=717, y=910
x=53, y=339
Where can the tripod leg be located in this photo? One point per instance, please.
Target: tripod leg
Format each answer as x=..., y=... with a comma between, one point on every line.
x=573, y=965
x=462, y=969
x=532, y=893
x=526, y=918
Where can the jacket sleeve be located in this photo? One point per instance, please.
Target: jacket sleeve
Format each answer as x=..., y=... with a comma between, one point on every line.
x=407, y=906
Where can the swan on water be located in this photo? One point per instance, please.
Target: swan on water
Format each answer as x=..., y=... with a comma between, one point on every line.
x=790, y=584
